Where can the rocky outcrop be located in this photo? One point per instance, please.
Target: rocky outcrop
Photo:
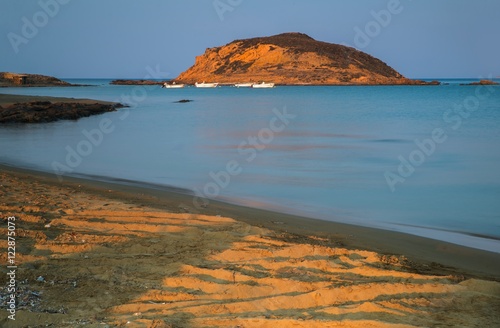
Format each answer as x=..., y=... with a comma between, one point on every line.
x=482, y=82
x=290, y=59
x=46, y=111
x=136, y=82
x=30, y=80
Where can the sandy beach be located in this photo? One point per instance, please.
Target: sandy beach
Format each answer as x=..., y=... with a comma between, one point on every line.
x=97, y=254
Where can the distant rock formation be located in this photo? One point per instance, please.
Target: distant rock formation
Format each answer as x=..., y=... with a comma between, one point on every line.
x=290, y=59
x=30, y=80
x=482, y=82
x=136, y=82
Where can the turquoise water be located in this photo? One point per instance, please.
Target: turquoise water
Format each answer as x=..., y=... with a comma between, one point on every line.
x=325, y=152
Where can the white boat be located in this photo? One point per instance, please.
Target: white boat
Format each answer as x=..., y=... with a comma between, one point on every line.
x=173, y=85
x=206, y=85
x=262, y=85
x=243, y=85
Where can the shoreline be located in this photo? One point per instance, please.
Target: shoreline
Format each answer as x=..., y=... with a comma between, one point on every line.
x=472, y=240
x=427, y=254
x=103, y=254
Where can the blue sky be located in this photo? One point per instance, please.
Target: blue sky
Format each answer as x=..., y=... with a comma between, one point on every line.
x=122, y=38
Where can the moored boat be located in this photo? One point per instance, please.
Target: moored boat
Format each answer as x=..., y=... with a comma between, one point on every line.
x=243, y=85
x=262, y=85
x=206, y=85
x=173, y=85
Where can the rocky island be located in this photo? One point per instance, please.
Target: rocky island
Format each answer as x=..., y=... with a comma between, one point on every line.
x=291, y=59
x=135, y=82
x=8, y=79
x=482, y=82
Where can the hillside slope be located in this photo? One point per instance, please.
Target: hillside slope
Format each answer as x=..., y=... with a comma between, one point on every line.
x=290, y=58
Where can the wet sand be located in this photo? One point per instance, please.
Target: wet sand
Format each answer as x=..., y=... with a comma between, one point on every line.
x=99, y=254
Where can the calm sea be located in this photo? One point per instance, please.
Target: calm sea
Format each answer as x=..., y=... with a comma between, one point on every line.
x=423, y=160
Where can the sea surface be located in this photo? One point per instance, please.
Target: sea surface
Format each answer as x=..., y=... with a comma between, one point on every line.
x=418, y=159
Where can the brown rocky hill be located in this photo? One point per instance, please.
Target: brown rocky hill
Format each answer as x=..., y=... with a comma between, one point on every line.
x=290, y=58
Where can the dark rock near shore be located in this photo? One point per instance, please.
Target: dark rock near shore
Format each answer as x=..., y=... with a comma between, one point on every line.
x=183, y=101
x=46, y=111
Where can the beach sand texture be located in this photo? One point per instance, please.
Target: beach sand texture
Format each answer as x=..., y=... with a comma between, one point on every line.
x=88, y=260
